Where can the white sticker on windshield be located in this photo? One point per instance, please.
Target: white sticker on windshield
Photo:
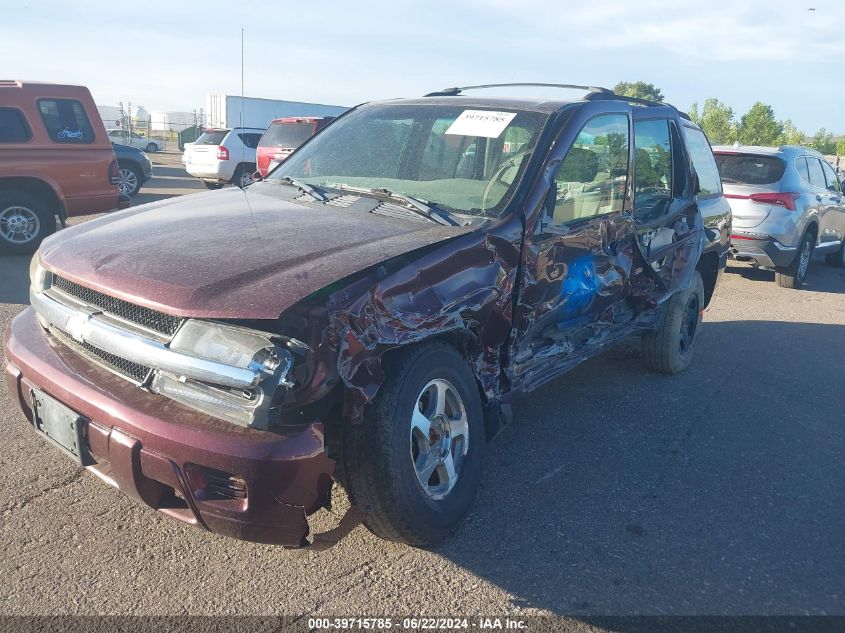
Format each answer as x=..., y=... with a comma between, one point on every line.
x=481, y=123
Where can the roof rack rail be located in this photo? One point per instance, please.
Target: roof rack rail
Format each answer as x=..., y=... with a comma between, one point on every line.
x=594, y=93
x=453, y=92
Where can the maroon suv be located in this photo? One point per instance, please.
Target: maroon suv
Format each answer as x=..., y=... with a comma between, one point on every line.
x=367, y=313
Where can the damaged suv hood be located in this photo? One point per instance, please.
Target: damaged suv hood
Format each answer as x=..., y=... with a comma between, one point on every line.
x=231, y=253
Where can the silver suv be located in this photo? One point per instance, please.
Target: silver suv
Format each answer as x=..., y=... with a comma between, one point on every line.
x=786, y=202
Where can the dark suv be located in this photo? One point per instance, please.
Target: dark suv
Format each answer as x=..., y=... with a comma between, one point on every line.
x=367, y=314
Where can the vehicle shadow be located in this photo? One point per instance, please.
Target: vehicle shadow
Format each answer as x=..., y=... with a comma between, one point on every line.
x=820, y=277
x=14, y=275
x=702, y=493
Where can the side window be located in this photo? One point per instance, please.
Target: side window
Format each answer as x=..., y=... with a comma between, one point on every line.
x=832, y=182
x=801, y=166
x=593, y=176
x=250, y=139
x=652, y=169
x=66, y=121
x=703, y=161
x=816, y=173
x=13, y=127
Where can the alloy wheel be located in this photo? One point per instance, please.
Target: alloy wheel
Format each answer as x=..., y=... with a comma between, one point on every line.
x=19, y=225
x=804, y=262
x=439, y=437
x=128, y=181
x=689, y=324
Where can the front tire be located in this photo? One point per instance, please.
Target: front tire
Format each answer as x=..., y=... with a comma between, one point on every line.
x=130, y=180
x=415, y=460
x=669, y=350
x=793, y=276
x=25, y=221
x=152, y=148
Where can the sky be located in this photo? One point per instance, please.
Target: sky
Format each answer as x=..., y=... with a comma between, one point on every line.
x=167, y=55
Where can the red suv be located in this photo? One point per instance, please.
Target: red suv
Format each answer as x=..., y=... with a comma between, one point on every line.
x=284, y=136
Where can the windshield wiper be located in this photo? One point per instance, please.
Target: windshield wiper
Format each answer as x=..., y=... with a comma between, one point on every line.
x=315, y=193
x=420, y=207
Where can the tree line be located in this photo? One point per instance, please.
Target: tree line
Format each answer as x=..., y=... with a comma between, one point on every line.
x=758, y=126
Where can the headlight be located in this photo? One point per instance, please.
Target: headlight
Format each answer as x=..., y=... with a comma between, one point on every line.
x=269, y=359
x=230, y=345
x=39, y=278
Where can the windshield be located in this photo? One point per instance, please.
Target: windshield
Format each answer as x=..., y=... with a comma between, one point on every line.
x=287, y=135
x=211, y=138
x=467, y=161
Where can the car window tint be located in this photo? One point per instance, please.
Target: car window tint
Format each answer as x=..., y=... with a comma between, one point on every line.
x=831, y=181
x=287, y=135
x=66, y=121
x=250, y=139
x=816, y=173
x=652, y=169
x=592, y=178
x=211, y=138
x=750, y=169
x=702, y=160
x=801, y=166
x=13, y=127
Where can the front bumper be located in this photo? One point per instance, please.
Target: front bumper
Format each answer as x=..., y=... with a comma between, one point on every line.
x=761, y=250
x=152, y=448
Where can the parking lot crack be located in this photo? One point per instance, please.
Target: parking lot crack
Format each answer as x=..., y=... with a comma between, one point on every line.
x=25, y=501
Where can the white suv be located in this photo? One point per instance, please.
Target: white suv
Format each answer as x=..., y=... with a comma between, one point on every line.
x=223, y=156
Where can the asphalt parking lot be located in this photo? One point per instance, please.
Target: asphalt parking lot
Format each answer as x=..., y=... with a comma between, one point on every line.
x=615, y=491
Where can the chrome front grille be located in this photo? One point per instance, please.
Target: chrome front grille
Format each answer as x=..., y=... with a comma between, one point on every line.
x=133, y=371
x=164, y=324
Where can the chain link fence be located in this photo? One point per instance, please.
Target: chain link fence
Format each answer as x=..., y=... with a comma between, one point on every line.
x=143, y=135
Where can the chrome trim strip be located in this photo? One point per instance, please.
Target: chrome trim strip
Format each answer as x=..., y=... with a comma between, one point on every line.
x=144, y=351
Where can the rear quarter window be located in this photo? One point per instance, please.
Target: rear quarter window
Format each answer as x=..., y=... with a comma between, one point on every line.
x=703, y=161
x=66, y=121
x=13, y=126
x=750, y=169
x=250, y=139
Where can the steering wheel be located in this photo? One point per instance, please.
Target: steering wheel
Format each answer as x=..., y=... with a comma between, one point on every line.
x=497, y=177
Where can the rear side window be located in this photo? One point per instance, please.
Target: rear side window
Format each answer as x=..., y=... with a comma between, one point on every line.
x=287, y=135
x=250, y=139
x=832, y=182
x=66, y=121
x=816, y=173
x=702, y=160
x=211, y=138
x=13, y=127
x=750, y=169
x=801, y=166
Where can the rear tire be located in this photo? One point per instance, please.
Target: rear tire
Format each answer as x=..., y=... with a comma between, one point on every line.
x=25, y=221
x=243, y=176
x=836, y=259
x=152, y=148
x=669, y=350
x=406, y=439
x=212, y=185
x=793, y=276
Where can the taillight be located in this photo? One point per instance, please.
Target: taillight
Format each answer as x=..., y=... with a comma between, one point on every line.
x=785, y=200
x=222, y=153
x=114, y=173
